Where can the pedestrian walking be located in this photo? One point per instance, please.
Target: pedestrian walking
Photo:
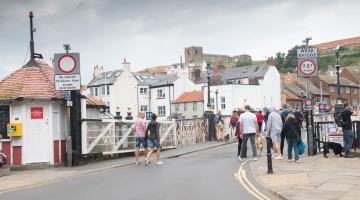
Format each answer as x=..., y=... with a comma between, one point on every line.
x=140, y=138
x=347, y=128
x=260, y=119
x=284, y=113
x=153, y=139
x=249, y=129
x=274, y=126
x=299, y=116
x=239, y=135
x=219, y=126
x=292, y=132
x=234, y=119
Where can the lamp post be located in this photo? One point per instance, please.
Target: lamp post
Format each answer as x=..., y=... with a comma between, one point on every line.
x=216, y=96
x=337, y=55
x=208, y=84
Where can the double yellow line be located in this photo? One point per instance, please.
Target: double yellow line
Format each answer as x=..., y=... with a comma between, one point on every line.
x=244, y=181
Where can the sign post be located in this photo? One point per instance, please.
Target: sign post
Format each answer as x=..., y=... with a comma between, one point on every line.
x=308, y=67
x=68, y=79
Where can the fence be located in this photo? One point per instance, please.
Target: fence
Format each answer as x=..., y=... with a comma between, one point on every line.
x=325, y=130
x=115, y=136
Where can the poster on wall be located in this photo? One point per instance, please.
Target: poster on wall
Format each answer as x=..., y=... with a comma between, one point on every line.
x=336, y=134
x=37, y=113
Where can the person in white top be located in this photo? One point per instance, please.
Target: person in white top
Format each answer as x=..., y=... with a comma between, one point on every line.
x=250, y=129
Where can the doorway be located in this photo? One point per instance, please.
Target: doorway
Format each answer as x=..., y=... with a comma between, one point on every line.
x=4, y=120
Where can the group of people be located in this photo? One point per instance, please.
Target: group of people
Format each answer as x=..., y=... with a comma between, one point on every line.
x=279, y=125
x=147, y=136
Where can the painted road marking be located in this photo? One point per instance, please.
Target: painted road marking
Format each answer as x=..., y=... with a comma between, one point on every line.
x=244, y=181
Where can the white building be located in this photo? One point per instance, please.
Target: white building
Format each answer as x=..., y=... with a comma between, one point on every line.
x=123, y=90
x=257, y=86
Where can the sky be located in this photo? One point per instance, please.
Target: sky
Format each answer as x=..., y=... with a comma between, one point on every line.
x=155, y=32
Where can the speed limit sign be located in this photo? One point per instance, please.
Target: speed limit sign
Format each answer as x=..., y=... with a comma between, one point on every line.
x=307, y=67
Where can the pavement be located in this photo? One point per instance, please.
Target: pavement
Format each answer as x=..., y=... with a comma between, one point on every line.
x=313, y=178
x=203, y=171
x=30, y=178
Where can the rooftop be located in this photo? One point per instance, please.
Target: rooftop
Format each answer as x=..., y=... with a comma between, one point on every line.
x=30, y=82
x=333, y=44
x=194, y=96
x=331, y=80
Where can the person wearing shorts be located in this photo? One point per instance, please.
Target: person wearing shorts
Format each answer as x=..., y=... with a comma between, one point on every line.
x=153, y=139
x=274, y=127
x=140, y=137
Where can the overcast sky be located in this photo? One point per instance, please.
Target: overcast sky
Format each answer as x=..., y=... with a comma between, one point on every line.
x=155, y=32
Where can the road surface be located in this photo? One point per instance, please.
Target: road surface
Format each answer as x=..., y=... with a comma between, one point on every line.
x=204, y=175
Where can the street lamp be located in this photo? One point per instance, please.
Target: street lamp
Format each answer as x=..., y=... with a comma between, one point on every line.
x=337, y=55
x=216, y=96
x=208, y=84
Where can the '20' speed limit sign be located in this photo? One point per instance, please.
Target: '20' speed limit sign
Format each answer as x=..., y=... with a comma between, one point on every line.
x=307, y=68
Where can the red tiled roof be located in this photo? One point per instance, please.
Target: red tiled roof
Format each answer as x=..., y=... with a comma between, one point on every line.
x=30, y=83
x=333, y=44
x=93, y=101
x=193, y=96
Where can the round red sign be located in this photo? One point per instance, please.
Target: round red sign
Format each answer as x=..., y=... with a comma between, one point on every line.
x=307, y=67
x=66, y=64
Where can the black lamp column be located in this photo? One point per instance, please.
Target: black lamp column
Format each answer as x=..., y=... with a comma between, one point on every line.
x=208, y=84
x=338, y=99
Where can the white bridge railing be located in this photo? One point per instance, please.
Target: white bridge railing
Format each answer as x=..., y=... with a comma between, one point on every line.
x=115, y=136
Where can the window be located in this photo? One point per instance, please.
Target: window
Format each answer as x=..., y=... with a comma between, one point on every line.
x=222, y=100
x=96, y=91
x=355, y=102
x=143, y=90
x=91, y=91
x=347, y=90
x=212, y=103
x=161, y=111
x=177, y=108
x=108, y=103
x=160, y=94
x=355, y=90
x=107, y=90
x=103, y=90
x=185, y=106
x=143, y=108
x=194, y=106
x=333, y=101
x=332, y=88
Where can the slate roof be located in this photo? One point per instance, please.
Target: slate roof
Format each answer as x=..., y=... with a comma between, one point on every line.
x=233, y=73
x=142, y=78
x=331, y=80
x=30, y=82
x=106, y=77
x=355, y=72
x=194, y=96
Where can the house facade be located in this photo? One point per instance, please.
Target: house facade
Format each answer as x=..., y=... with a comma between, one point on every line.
x=132, y=91
x=233, y=88
x=189, y=105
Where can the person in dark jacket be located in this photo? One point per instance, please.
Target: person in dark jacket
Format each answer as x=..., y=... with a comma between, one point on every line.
x=153, y=139
x=292, y=132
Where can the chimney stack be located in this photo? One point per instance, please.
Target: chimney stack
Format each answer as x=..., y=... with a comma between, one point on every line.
x=126, y=65
x=98, y=70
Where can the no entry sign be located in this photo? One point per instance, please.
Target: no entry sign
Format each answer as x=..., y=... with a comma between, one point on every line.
x=308, y=104
x=67, y=71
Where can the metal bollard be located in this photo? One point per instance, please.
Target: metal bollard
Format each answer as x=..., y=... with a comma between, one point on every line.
x=268, y=149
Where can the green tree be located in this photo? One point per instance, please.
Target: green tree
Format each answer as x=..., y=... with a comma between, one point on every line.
x=279, y=60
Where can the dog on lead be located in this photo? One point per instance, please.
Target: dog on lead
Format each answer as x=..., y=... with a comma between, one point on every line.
x=336, y=147
x=260, y=145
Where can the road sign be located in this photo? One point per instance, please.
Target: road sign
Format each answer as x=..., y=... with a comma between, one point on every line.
x=307, y=62
x=307, y=53
x=67, y=63
x=67, y=82
x=322, y=108
x=67, y=71
x=308, y=104
x=67, y=95
x=148, y=115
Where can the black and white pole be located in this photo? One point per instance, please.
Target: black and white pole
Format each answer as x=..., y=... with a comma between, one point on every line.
x=268, y=153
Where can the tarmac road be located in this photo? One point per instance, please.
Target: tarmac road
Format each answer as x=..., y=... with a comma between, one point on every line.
x=204, y=175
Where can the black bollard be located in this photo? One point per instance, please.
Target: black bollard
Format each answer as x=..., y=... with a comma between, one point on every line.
x=268, y=149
